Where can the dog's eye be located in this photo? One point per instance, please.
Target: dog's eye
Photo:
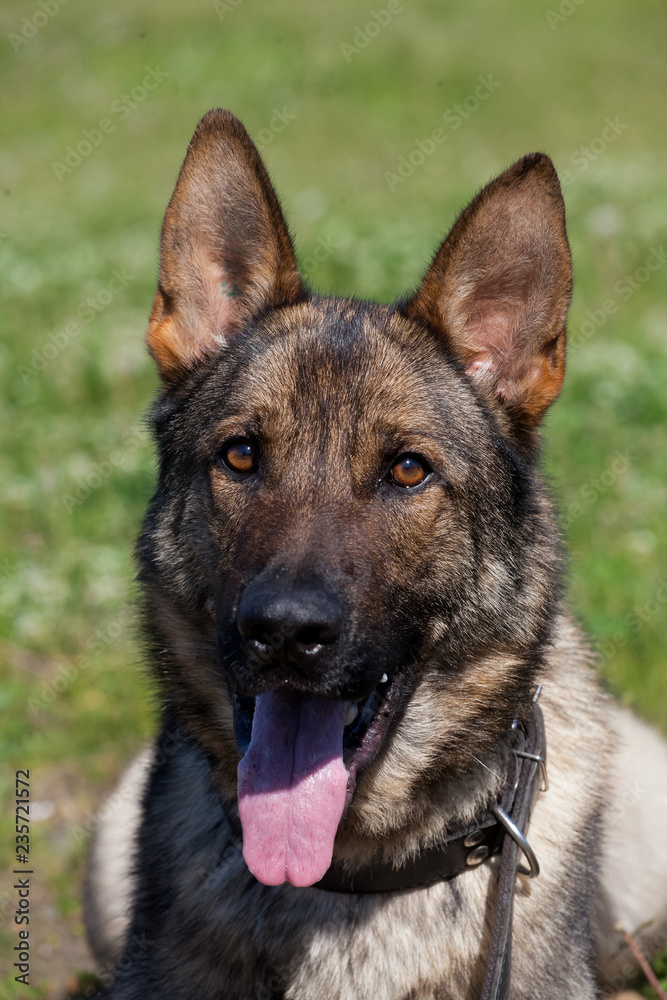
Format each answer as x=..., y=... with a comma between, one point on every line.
x=239, y=455
x=409, y=471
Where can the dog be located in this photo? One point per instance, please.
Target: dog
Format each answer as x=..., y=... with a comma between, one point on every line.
x=352, y=579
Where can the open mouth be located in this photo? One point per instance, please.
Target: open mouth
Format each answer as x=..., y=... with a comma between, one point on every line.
x=301, y=756
x=366, y=722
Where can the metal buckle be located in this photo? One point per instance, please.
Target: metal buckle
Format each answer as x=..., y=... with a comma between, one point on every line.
x=534, y=756
x=517, y=835
x=541, y=761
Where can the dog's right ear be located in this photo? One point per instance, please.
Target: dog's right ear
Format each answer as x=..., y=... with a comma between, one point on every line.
x=499, y=287
x=225, y=252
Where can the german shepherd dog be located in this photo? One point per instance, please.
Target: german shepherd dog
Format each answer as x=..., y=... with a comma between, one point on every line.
x=352, y=575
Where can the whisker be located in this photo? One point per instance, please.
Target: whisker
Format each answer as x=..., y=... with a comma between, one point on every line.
x=490, y=770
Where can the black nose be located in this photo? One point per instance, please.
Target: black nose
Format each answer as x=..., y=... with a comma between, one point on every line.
x=288, y=624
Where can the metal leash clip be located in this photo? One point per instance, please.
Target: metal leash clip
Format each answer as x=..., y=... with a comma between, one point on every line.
x=517, y=835
x=510, y=826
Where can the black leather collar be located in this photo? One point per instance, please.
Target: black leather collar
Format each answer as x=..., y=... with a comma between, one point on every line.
x=459, y=852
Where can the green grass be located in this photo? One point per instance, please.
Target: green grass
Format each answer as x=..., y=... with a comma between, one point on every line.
x=75, y=702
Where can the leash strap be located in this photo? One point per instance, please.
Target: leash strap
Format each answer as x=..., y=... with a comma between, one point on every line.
x=499, y=968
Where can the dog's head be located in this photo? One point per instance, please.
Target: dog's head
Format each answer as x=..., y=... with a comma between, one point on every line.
x=349, y=548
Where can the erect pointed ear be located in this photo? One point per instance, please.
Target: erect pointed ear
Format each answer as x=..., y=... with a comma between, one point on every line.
x=225, y=253
x=499, y=288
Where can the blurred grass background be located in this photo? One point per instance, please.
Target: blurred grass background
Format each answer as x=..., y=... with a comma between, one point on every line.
x=334, y=106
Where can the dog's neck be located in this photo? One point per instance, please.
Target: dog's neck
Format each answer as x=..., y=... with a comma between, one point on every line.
x=432, y=813
x=471, y=841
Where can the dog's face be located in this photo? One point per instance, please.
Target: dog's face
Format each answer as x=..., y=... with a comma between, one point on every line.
x=348, y=527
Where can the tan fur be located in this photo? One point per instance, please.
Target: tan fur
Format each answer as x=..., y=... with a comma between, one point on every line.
x=110, y=882
x=634, y=874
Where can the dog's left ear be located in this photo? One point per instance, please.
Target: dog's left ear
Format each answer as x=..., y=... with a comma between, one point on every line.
x=225, y=252
x=499, y=288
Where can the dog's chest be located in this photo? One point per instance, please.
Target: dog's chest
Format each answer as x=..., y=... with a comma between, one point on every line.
x=310, y=944
x=249, y=940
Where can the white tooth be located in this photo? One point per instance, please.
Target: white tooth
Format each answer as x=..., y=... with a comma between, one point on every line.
x=351, y=715
x=384, y=679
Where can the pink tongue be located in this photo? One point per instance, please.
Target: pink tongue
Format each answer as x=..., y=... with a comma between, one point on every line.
x=291, y=787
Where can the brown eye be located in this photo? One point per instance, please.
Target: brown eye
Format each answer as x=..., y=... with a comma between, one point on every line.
x=409, y=471
x=240, y=455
